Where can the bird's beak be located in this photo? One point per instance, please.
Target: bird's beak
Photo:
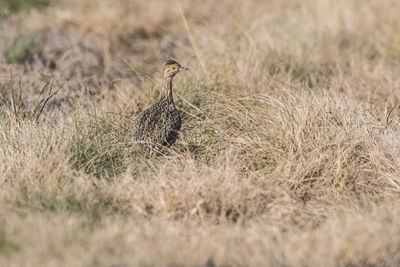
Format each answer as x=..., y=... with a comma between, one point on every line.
x=184, y=68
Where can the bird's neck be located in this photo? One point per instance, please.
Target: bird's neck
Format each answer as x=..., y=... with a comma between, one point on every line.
x=166, y=91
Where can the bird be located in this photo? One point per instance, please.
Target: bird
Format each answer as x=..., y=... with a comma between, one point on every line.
x=159, y=124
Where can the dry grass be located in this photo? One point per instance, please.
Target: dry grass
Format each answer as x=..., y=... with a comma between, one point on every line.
x=298, y=164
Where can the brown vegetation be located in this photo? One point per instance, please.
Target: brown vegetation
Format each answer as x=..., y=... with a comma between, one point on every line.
x=297, y=165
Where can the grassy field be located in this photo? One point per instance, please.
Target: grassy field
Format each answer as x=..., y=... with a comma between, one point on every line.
x=297, y=165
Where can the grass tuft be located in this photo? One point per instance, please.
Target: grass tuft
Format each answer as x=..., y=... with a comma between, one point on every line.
x=101, y=147
x=19, y=108
x=92, y=210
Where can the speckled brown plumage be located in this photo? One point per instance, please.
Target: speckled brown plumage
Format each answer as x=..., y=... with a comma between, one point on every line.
x=159, y=124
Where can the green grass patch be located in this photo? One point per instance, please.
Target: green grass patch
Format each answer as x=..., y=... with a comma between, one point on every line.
x=21, y=5
x=21, y=49
x=7, y=244
x=93, y=208
x=101, y=147
x=73, y=204
x=196, y=96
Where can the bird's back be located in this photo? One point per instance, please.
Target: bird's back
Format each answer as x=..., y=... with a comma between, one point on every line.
x=158, y=124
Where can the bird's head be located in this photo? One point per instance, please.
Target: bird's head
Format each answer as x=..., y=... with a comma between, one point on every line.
x=171, y=67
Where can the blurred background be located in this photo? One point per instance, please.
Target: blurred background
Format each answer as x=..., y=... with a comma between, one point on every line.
x=105, y=49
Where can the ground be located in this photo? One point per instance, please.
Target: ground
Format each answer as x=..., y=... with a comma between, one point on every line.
x=295, y=161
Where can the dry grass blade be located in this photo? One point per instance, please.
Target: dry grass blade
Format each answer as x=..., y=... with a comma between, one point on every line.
x=390, y=119
x=40, y=103
x=37, y=111
x=192, y=41
x=193, y=106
